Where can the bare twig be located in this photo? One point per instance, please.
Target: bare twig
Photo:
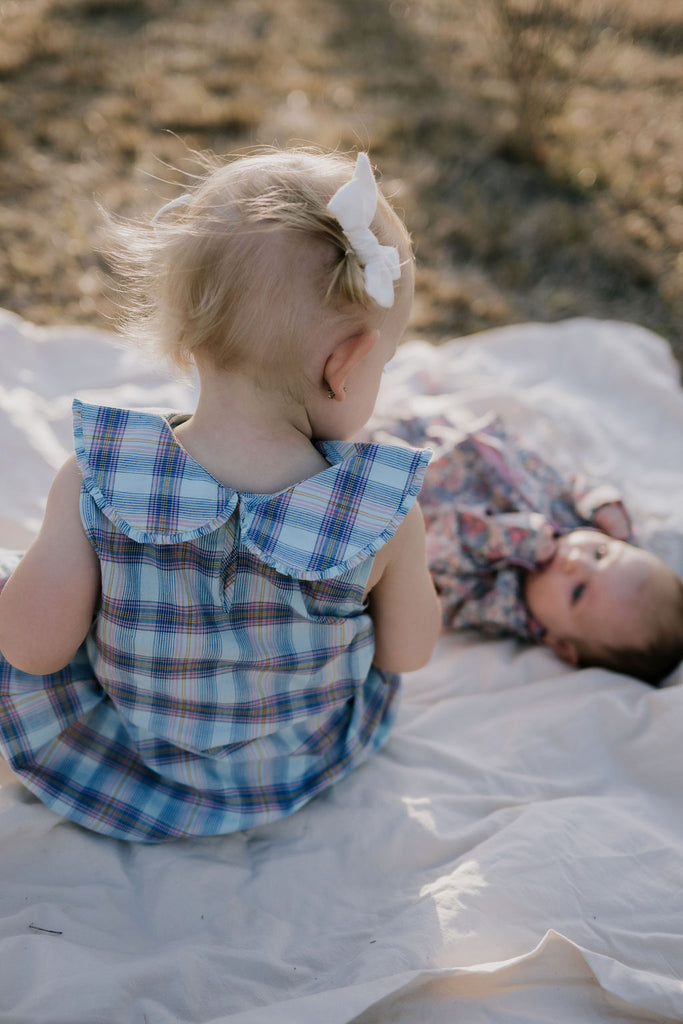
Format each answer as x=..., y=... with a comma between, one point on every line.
x=46, y=931
x=539, y=46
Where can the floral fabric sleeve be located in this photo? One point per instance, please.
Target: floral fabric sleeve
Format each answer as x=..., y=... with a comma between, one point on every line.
x=476, y=562
x=572, y=501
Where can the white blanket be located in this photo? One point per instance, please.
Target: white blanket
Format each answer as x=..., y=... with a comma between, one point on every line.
x=514, y=854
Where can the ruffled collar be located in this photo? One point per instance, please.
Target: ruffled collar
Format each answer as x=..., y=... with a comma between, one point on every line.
x=154, y=492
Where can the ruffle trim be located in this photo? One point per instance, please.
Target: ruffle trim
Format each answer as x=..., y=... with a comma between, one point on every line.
x=154, y=492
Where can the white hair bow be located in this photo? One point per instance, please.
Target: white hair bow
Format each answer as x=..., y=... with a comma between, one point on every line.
x=354, y=207
x=178, y=201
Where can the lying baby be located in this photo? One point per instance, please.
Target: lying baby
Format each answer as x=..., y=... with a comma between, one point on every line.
x=515, y=549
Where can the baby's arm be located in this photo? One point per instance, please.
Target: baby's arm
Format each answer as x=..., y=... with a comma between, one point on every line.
x=577, y=495
x=601, y=505
x=403, y=603
x=475, y=561
x=47, y=605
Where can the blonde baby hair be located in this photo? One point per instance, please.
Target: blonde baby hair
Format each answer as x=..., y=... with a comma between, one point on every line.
x=250, y=266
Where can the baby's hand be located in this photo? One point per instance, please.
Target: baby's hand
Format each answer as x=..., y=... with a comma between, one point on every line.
x=613, y=519
x=547, y=544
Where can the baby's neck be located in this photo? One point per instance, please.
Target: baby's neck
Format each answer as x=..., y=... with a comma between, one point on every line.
x=248, y=438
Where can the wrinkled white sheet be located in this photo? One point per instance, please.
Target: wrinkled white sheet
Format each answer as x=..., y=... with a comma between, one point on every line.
x=514, y=854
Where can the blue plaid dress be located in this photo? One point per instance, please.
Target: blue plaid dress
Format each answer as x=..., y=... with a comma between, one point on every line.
x=228, y=674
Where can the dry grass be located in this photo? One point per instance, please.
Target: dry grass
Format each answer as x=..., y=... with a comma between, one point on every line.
x=536, y=146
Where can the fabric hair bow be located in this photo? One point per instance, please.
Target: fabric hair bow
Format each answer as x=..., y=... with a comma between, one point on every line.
x=167, y=207
x=354, y=207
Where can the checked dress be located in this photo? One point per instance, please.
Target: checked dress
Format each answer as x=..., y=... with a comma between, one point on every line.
x=227, y=677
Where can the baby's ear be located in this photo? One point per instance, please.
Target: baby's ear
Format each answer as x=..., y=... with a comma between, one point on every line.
x=346, y=355
x=564, y=648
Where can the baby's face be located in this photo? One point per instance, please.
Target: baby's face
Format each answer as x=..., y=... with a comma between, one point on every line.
x=594, y=590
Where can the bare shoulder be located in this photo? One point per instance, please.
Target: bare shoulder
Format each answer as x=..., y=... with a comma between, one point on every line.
x=47, y=604
x=403, y=603
x=409, y=532
x=62, y=538
x=65, y=490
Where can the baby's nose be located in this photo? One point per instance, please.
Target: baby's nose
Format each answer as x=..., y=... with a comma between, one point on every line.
x=572, y=560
